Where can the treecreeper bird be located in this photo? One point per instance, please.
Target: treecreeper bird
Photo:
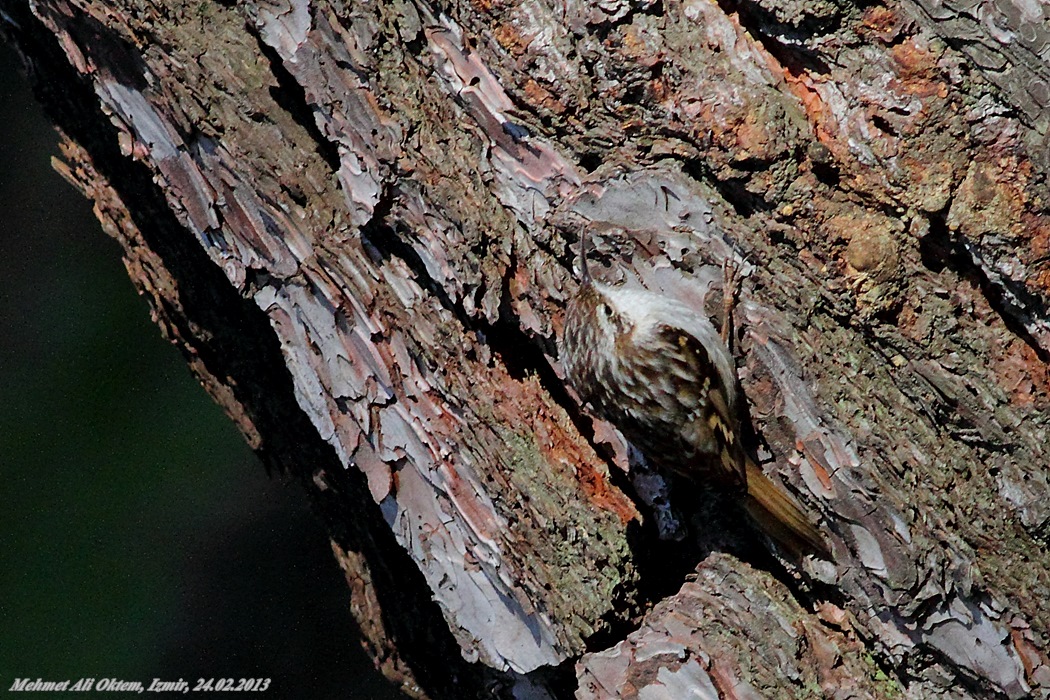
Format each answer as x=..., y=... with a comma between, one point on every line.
x=660, y=372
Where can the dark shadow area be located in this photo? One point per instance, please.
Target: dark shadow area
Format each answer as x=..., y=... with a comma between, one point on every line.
x=140, y=537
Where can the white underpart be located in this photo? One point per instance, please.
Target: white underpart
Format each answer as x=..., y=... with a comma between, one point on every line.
x=647, y=311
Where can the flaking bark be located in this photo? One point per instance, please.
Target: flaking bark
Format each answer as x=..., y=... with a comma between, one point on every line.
x=358, y=222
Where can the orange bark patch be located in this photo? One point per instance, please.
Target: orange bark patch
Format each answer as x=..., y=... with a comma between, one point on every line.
x=511, y=39
x=660, y=90
x=1037, y=227
x=1024, y=376
x=561, y=447
x=540, y=96
x=640, y=47
x=917, y=70
x=883, y=22
x=753, y=137
x=1040, y=240
x=593, y=480
x=805, y=89
x=607, y=497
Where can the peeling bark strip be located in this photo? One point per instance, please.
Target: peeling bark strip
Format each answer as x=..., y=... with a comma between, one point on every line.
x=1009, y=43
x=381, y=198
x=732, y=633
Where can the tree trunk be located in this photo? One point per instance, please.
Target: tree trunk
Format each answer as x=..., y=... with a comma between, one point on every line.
x=358, y=220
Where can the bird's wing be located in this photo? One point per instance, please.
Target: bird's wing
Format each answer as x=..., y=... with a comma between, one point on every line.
x=714, y=429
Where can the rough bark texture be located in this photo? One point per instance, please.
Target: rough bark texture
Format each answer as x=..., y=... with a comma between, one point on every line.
x=357, y=220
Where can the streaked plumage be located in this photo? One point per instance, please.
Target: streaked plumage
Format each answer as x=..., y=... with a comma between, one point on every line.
x=660, y=372
x=657, y=382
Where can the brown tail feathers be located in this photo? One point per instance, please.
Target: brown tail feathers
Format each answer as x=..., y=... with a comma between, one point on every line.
x=779, y=517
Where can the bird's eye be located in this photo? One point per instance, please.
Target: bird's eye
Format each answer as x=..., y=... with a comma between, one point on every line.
x=604, y=310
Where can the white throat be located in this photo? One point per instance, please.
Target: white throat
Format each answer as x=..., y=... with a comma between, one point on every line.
x=647, y=310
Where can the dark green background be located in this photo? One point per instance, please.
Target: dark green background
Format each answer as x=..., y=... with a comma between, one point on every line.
x=139, y=537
